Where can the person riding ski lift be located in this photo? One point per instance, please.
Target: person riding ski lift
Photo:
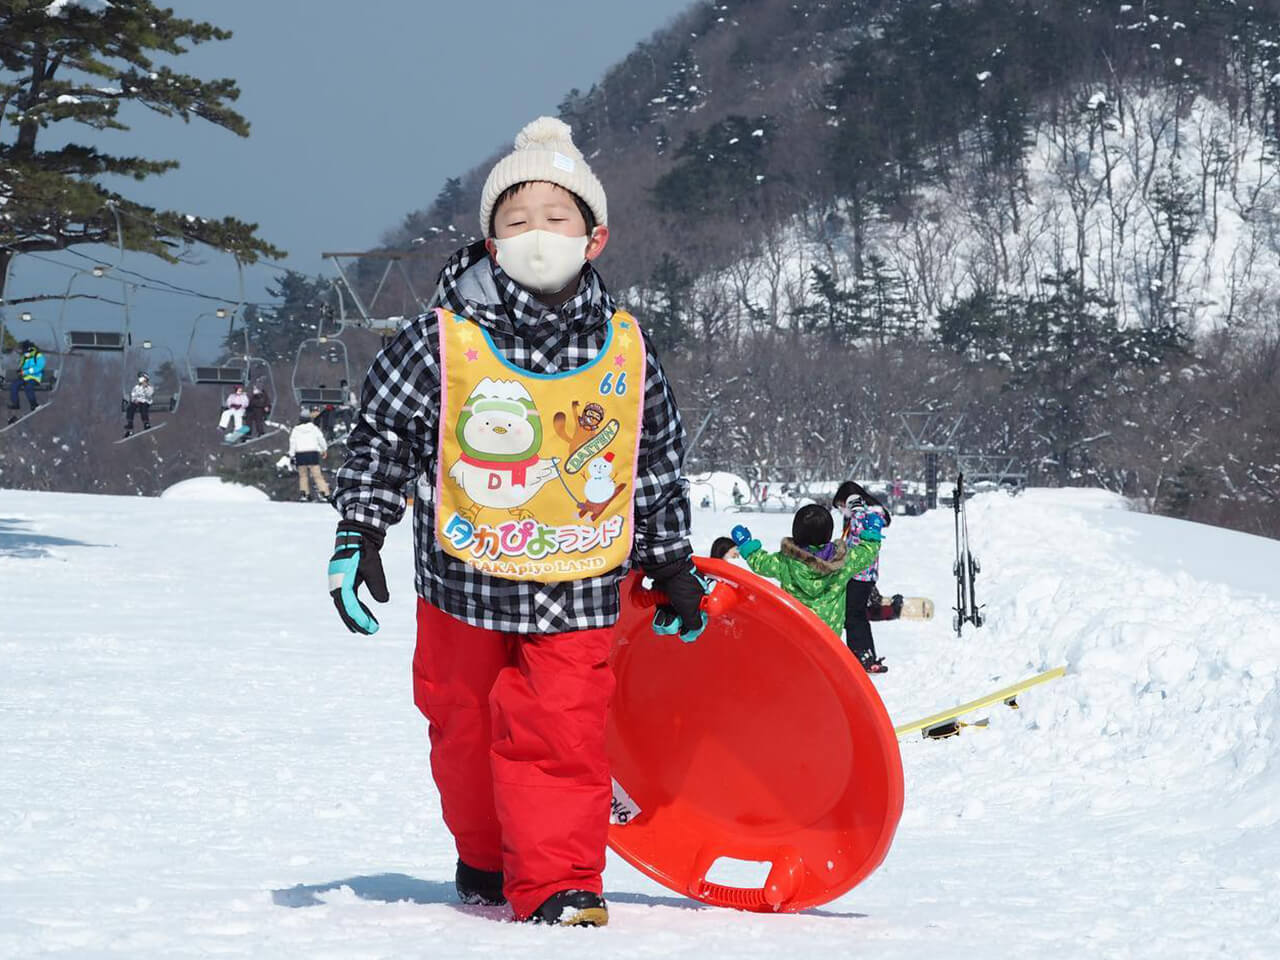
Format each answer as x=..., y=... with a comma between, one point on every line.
x=140, y=398
x=256, y=414
x=30, y=376
x=235, y=406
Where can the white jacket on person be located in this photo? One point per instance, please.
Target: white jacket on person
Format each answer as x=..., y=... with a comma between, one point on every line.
x=306, y=438
x=142, y=393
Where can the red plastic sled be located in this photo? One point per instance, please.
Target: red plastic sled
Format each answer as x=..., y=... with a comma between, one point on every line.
x=762, y=740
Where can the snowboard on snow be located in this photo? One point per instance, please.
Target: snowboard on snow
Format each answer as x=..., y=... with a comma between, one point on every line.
x=913, y=608
x=947, y=723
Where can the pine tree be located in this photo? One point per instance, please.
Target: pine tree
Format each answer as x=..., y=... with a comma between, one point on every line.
x=74, y=64
x=307, y=308
x=667, y=311
x=834, y=312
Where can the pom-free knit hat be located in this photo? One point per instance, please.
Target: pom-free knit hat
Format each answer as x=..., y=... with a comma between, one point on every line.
x=544, y=151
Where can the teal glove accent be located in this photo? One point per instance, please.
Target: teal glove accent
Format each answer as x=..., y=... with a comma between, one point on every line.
x=356, y=560
x=667, y=624
x=748, y=547
x=872, y=528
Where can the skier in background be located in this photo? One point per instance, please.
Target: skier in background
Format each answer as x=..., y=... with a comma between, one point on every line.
x=236, y=404
x=324, y=416
x=858, y=506
x=307, y=447
x=30, y=376
x=140, y=398
x=350, y=404
x=256, y=413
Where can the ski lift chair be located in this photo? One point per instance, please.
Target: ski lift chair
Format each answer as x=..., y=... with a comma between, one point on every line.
x=52, y=375
x=225, y=375
x=313, y=396
x=103, y=340
x=160, y=402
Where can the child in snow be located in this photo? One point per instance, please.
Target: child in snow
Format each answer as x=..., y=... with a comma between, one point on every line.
x=518, y=566
x=140, y=398
x=307, y=447
x=810, y=566
x=236, y=404
x=862, y=599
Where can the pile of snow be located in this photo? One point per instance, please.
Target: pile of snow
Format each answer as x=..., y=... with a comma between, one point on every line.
x=157, y=800
x=213, y=488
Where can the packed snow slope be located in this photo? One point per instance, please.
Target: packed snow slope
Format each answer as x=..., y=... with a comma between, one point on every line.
x=198, y=760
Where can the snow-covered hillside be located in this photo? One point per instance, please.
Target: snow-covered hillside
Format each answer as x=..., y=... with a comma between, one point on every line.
x=199, y=760
x=1166, y=208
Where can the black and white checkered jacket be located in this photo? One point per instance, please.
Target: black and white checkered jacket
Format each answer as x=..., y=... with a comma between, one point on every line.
x=394, y=443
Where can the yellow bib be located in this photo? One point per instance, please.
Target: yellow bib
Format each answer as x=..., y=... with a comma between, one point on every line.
x=522, y=502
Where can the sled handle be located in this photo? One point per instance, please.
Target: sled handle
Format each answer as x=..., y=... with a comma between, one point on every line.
x=720, y=599
x=785, y=875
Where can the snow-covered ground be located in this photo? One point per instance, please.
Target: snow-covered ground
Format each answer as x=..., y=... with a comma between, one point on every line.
x=198, y=760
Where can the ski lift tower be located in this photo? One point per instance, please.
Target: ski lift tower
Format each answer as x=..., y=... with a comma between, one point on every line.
x=931, y=433
x=994, y=468
x=371, y=315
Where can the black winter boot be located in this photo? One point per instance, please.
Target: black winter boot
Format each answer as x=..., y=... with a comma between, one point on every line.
x=479, y=887
x=871, y=663
x=573, y=908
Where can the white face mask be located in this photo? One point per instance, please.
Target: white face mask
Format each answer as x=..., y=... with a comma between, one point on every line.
x=544, y=262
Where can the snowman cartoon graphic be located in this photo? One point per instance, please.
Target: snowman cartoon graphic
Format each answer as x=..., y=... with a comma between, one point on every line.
x=500, y=433
x=600, y=488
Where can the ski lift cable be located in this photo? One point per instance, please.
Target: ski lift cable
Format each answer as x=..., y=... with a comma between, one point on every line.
x=229, y=375
x=167, y=288
x=249, y=360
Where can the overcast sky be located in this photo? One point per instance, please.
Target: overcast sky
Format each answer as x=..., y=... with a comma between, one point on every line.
x=359, y=112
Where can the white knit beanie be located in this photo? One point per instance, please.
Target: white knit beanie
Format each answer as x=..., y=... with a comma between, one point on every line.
x=544, y=151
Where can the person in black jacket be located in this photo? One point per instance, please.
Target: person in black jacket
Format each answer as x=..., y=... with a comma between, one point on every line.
x=256, y=415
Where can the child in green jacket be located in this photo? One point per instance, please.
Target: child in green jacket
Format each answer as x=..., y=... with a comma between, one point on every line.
x=810, y=566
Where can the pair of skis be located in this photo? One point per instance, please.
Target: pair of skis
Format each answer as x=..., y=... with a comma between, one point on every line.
x=966, y=568
x=947, y=723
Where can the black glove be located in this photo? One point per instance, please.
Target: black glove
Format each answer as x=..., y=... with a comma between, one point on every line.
x=356, y=560
x=682, y=613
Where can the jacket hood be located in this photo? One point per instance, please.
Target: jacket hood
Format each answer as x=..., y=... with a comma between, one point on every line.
x=813, y=572
x=467, y=286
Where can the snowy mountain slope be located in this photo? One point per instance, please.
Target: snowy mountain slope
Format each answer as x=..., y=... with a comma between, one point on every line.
x=199, y=760
x=1167, y=209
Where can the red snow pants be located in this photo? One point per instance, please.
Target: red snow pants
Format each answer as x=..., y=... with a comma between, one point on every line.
x=517, y=728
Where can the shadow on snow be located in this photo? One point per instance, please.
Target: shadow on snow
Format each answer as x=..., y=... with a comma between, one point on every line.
x=17, y=541
x=400, y=887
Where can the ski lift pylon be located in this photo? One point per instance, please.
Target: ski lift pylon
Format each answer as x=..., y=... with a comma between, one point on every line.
x=369, y=317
